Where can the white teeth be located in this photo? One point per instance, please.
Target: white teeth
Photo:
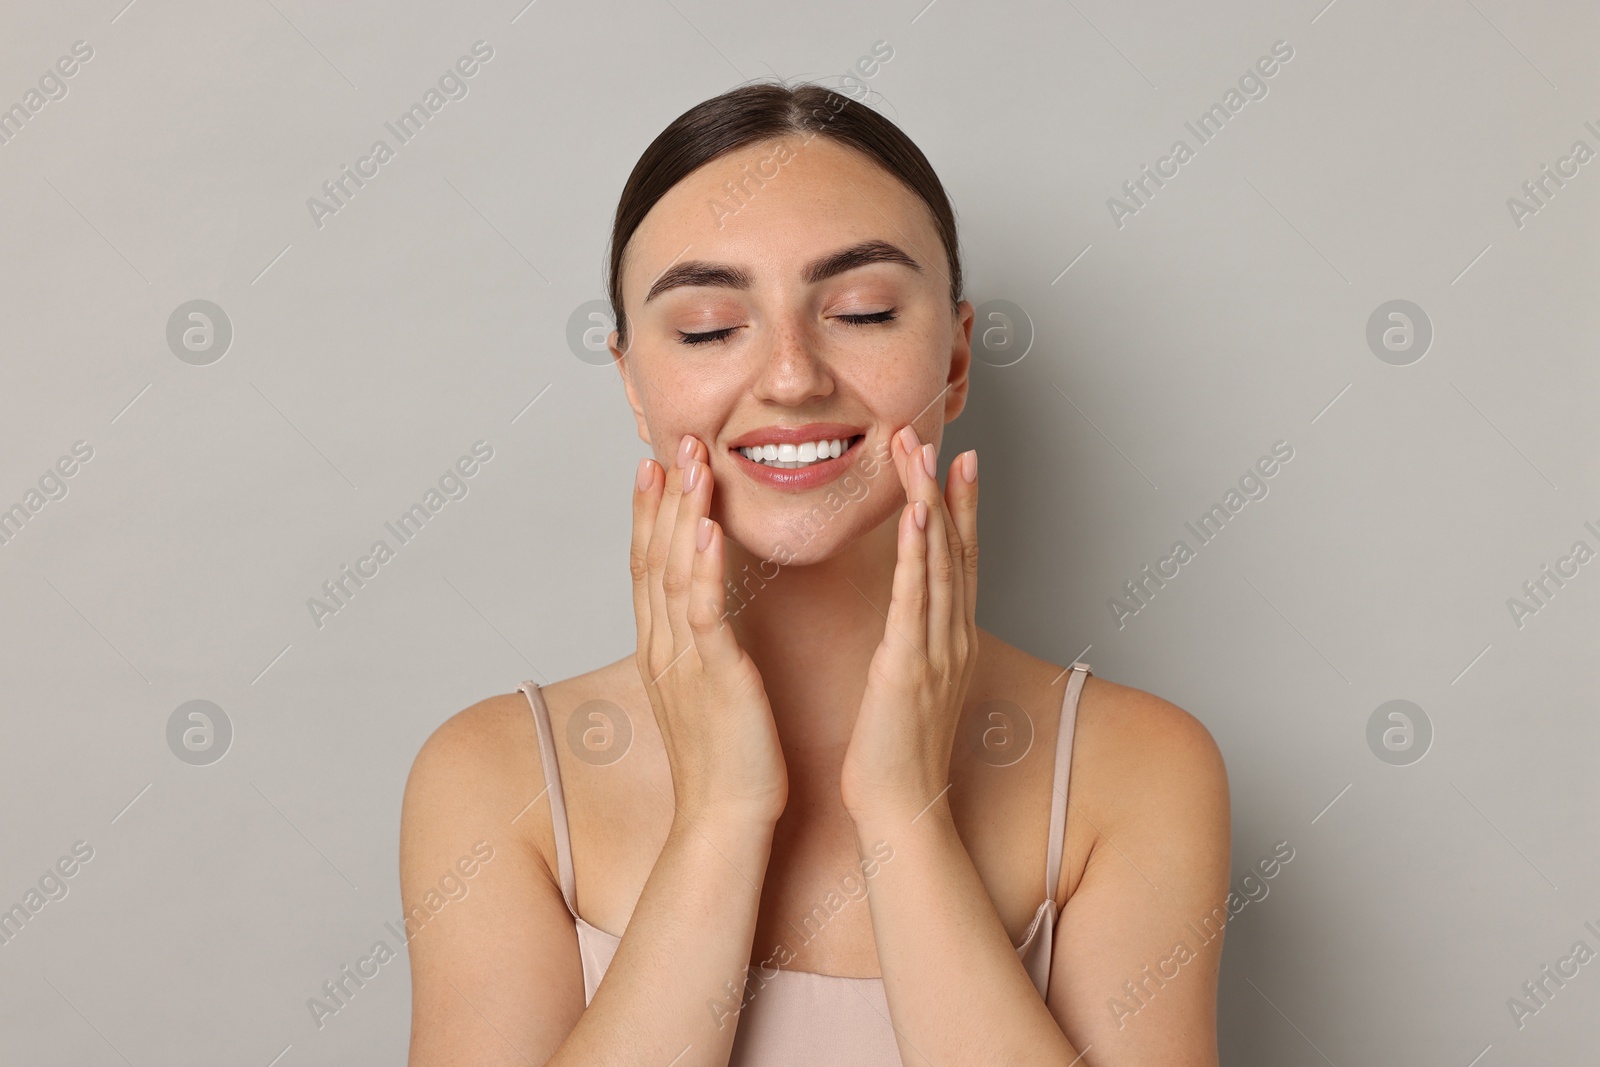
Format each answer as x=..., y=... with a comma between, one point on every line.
x=789, y=457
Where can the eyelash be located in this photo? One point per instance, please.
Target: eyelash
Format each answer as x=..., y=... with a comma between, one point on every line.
x=709, y=337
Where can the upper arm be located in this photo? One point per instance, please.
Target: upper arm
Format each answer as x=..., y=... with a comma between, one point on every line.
x=495, y=972
x=1139, y=944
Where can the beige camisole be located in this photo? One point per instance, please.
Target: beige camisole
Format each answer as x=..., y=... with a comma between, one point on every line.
x=801, y=1017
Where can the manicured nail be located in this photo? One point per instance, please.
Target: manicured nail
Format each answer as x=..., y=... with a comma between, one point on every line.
x=930, y=460
x=645, y=474
x=691, y=475
x=969, y=469
x=685, y=449
x=908, y=440
x=703, y=535
x=919, y=511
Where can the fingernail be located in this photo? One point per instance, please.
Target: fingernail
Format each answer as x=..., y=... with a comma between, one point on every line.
x=703, y=535
x=919, y=511
x=969, y=469
x=908, y=440
x=685, y=449
x=691, y=475
x=643, y=480
x=930, y=459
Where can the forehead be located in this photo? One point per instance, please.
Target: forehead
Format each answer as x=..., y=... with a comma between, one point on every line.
x=774, y=205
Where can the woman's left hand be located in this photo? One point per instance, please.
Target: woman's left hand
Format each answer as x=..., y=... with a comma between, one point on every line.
x=898, y=760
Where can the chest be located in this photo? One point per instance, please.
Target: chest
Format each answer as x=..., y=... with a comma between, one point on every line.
x=814, y=914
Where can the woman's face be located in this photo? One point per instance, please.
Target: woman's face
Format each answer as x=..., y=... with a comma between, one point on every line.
x=745, y=321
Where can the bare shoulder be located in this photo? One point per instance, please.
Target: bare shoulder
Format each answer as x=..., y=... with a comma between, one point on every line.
x=1147, y=766
x=1142, y=734
x=481, y=744
x=1126, y=742
x=479, y=732
x=1150, y=788
x=476, y=881
x=480, y=767
x=484, y=764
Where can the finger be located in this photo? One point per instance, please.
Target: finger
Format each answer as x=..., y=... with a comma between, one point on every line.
x=646, y=502
x=901, y=447
x=960, y=601
x=713, y=637
x=962, y=503
x=694, y=503
x=906, y=625
x=941, y=570
x=662, y=648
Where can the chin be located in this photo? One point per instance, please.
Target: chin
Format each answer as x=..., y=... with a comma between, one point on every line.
x=797, y=536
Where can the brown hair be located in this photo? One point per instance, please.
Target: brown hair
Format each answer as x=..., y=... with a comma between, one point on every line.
x=764, y=111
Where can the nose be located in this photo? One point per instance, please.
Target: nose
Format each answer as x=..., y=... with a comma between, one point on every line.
x=793, y=372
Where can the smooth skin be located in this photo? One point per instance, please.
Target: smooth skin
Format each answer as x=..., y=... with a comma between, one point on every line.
x=776, y=741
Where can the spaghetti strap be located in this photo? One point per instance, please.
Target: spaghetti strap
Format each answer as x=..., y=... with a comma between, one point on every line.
x=1058, y=791
x=558, y=803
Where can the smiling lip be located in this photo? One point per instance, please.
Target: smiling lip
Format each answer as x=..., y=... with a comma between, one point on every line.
x=796, y=435
x=797, y=479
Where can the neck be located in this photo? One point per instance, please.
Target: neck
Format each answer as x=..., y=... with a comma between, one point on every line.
x=811, y=631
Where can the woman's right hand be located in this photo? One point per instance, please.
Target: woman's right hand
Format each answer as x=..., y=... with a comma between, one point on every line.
x=708, y=697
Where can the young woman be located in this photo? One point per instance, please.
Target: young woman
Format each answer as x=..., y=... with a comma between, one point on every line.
x=839, y=830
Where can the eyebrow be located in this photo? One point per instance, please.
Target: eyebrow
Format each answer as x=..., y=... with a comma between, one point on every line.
x=699, y=272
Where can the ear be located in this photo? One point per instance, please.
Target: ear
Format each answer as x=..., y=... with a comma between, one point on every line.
x=960, y=362
x=620, y=358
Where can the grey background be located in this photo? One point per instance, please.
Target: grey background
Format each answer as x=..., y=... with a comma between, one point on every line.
x=431, y=312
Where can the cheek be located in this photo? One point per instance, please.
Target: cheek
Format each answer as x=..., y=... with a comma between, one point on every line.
x=907, y=389
x=678, y=404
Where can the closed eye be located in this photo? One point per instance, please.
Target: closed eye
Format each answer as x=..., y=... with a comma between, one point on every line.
x=864, y=320
x=711, y=336
x=703, y=338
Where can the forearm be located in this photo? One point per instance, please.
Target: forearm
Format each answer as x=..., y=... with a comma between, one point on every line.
x=957, y=991
x=672, y=993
